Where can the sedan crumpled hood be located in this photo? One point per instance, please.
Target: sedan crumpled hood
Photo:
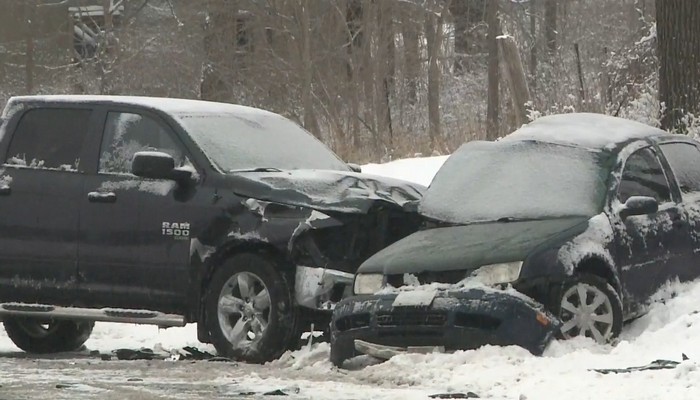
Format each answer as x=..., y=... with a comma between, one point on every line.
x=325, y=190
x=469, y=246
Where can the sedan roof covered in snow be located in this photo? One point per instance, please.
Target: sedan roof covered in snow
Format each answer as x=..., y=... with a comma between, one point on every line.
x=595, y=131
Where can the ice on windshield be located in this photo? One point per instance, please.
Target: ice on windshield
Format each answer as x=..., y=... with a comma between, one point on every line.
x=486, y=181
x=240, y=141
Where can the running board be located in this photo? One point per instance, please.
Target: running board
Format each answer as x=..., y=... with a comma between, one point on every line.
x=91, y=314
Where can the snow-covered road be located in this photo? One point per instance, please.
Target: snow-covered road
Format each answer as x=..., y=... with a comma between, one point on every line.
x=670, y=329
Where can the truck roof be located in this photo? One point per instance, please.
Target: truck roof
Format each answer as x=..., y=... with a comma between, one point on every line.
x=168, y=105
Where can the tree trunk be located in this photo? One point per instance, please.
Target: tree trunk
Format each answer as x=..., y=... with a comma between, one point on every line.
x=467, y=14
x=678, y=35
x=550, y=25
x=433, y=32
x=492, y=125
x=306, y=70
x=514, y=75
x=533, y=45
x=385, y=69
x=412, y=65
x=29, y=63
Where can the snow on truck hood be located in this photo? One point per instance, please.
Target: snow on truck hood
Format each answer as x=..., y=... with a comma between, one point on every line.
x=325, y=190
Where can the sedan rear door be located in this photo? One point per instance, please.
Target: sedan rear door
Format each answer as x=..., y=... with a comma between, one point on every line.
x=684, y=160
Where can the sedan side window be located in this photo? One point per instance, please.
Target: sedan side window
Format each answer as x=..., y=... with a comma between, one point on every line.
x=125, y=134
x=685, y=163
x=644, y=176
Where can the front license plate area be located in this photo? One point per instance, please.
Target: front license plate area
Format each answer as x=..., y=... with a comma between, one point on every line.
x=415, y=298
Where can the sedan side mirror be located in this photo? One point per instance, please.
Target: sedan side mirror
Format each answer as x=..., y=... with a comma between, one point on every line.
x=157, y=165
x=355, y=167
x=639, y=205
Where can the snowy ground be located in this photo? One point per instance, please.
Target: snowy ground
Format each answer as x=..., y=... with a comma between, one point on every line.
x=670, y=329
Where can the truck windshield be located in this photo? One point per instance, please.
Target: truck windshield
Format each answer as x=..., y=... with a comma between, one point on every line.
x=250, y=141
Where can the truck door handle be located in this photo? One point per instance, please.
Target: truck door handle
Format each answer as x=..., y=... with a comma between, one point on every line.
x=102, y=197
x=5, y=190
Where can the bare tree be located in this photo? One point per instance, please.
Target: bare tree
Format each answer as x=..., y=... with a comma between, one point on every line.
x=492, y=122
x=550, y=25
x=678, y=32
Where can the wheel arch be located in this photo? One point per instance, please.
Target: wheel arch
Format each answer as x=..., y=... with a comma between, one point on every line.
x=595, y=265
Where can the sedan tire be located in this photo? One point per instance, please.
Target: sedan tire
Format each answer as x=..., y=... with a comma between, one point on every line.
x=589, y=306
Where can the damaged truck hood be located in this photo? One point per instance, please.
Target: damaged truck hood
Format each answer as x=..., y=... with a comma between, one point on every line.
x=325, y=190
x=466, y=247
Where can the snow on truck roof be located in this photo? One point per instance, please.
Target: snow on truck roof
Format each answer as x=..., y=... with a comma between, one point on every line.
x=168, y=105
x=584, y=129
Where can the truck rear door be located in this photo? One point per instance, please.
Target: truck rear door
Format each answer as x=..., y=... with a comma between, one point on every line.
x=41, y=181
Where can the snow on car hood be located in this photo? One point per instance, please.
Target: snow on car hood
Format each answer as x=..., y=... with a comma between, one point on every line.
x=469, y=246
x=325, y=190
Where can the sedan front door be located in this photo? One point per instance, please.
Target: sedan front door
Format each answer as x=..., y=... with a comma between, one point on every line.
x=649, y=247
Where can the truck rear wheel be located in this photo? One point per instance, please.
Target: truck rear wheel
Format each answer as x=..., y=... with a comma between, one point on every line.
x=47, y=336
x=250, y=313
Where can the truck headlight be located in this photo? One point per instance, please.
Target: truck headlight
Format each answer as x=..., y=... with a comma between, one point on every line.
x=368, y=283
x=494, y=274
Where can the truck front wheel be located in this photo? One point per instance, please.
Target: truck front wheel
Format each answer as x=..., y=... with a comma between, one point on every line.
x=51, y=336
x=249, y=309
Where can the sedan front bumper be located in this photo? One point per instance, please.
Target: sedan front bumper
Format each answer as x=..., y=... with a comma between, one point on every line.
x=454, y=320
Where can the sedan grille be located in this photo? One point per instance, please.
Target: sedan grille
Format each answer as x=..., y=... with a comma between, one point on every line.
x=412, y=319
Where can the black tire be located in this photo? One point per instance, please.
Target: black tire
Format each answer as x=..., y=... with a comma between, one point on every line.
x=48, y=336
x=605, y=318
x=227, y=285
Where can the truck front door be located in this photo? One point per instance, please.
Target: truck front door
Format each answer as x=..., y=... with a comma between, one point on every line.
x=135, y=245
x=41, y=181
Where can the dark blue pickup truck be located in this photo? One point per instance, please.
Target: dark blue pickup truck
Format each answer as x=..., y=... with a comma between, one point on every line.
x=167, y=212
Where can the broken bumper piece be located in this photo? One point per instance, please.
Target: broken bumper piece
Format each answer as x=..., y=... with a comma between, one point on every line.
x=386, y=352
x=383, y=326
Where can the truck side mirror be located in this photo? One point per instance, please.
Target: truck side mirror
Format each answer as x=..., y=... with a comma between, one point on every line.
x=153, y=165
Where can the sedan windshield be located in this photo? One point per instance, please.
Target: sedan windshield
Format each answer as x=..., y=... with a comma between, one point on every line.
x=257, y=141
x=511, y=180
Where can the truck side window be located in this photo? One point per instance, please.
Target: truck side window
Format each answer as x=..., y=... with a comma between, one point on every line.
x=49, y=138
x=126, y=134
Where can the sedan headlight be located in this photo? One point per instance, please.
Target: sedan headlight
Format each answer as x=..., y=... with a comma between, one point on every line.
x=494, y=274
x=368, y=283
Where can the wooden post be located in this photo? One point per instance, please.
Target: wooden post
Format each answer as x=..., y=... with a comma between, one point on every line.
x=514, y=75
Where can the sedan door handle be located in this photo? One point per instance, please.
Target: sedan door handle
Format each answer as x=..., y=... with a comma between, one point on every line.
x=102, y=197
x=5, y=190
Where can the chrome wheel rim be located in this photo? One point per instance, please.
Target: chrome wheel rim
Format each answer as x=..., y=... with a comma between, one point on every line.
x=244, y=310
x=586, y=310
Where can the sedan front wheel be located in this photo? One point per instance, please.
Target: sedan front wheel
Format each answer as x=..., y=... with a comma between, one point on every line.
x=589, y=306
